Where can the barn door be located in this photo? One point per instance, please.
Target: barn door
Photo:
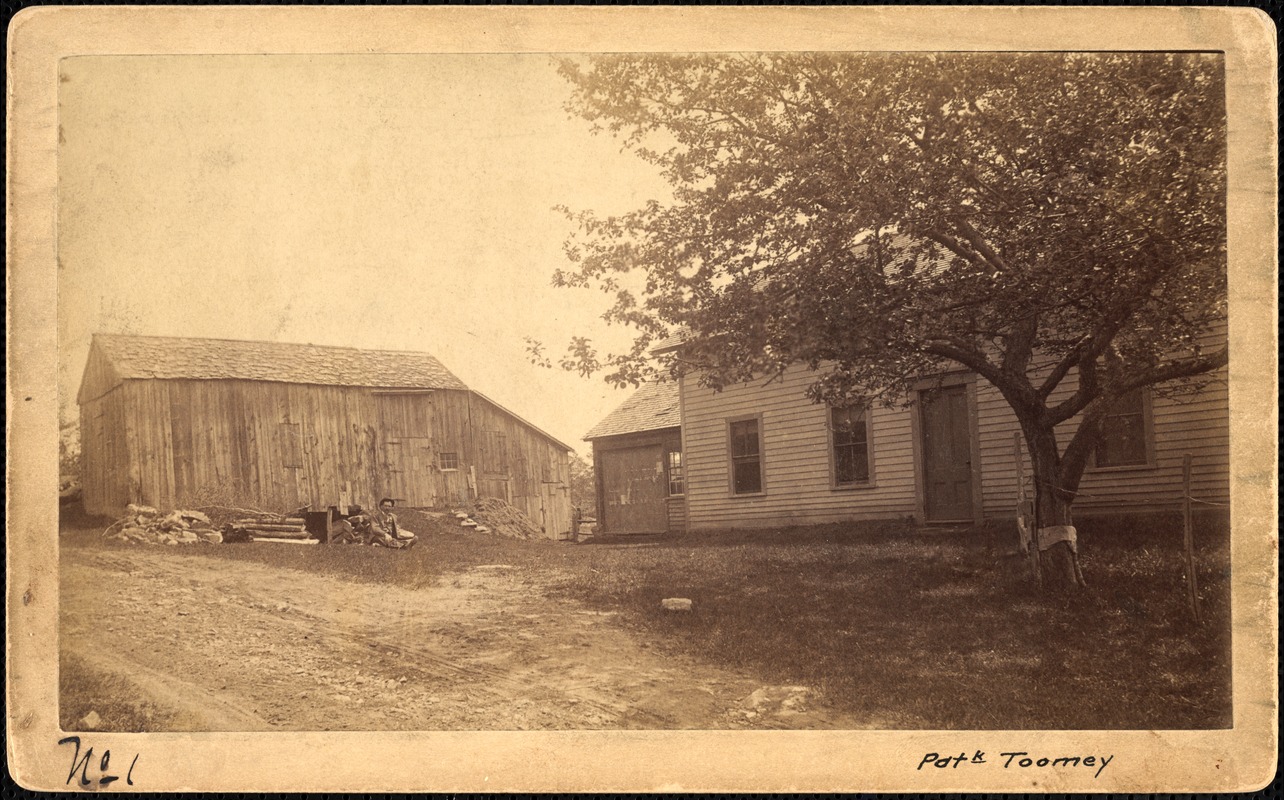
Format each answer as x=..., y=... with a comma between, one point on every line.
x=409, y=472
x=947, y=454
x=633, y=485
x=555, y=510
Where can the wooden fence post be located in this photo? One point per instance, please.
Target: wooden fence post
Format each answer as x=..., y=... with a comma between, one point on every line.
x=1192, y=588
x=1025, y=520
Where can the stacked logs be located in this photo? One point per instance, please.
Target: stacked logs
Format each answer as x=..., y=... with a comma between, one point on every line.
x=268, y=527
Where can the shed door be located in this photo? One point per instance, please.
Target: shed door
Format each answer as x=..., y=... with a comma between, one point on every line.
x=947, y=454
x=633, y=485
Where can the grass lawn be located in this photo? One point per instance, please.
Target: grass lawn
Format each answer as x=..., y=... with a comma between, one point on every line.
x=83, y=689
x=905, y=628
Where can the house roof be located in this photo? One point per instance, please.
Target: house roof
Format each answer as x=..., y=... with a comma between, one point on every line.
x=652, y=407
x=283, y=362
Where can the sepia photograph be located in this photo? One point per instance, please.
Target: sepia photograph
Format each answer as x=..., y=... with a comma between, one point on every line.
x=666, y=391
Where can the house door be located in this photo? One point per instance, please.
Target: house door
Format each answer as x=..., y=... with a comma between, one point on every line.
x=633, y=489
x=947, y=454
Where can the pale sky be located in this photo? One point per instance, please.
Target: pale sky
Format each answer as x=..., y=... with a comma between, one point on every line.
x=398, y=202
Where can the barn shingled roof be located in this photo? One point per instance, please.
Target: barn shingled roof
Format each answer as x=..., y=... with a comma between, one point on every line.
x=172, y=357
x=651, y=407
x=213, y=359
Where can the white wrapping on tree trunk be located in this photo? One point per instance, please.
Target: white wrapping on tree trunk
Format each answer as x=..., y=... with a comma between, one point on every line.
x=1057, y=533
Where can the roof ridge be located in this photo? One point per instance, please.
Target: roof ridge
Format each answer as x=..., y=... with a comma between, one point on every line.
x=256, y=341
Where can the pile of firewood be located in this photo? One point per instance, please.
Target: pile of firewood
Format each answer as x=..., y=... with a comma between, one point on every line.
x=146, y=525
x=493, y=514
x=270, y=527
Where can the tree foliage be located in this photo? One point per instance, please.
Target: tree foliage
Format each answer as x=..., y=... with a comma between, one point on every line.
x=881, y=217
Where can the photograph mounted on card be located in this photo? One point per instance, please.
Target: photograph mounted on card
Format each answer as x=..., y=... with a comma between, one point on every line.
x=736, y=399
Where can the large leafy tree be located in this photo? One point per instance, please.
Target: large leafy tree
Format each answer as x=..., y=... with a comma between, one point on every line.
x=1053, y=222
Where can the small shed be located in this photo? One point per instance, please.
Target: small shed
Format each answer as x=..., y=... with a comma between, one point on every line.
x=173, y=422
x=637, y=458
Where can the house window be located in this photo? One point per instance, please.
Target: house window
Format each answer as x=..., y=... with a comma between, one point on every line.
x=674, y=463
x=448, y=461
x=851, y=445
x=746, y=457
x=1124, y=433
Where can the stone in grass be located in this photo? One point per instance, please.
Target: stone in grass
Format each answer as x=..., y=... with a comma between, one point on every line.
x=675, y=604
x=91, y=721
x=468, y=523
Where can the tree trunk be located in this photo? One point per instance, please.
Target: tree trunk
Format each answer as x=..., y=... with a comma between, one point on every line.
x=1060, y=561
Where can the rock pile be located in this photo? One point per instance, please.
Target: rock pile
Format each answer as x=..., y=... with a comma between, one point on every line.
x=146, y=525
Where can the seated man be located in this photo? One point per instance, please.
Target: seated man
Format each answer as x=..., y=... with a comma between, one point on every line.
x=384, y=530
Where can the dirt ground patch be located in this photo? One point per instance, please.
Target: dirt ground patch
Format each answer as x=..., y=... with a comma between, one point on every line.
x=234, y=645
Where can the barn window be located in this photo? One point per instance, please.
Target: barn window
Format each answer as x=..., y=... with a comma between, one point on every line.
x=746, y=457
x=291, y=445
x=1125, y=434
x=850, y=438
x=673, y=462
x=448, y=461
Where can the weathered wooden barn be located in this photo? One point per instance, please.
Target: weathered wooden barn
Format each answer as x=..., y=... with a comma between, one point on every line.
x=637, y=457
x=174, y=422
x=761, y=454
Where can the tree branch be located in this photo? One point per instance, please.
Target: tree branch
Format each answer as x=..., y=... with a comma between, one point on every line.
x=1176, y=370
x=967, y=356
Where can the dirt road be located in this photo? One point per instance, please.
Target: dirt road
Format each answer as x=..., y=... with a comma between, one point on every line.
x=243, y=646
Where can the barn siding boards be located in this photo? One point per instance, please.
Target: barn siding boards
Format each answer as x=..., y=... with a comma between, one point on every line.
x=280, y=445
x=507, y=453
x=304, y=445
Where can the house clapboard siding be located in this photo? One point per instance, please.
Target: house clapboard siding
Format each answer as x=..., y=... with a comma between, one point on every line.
x=794, y=436
x=797, y=468
x=171, y=441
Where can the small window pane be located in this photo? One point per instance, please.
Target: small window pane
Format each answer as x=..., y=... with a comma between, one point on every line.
x=744, y=438
x=448, y=460
x=748, y=477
